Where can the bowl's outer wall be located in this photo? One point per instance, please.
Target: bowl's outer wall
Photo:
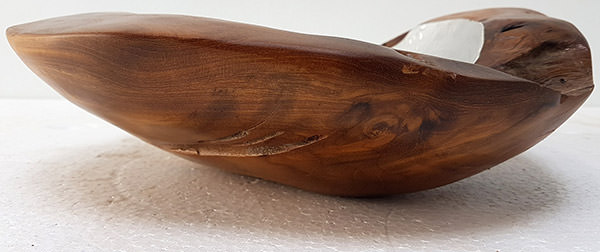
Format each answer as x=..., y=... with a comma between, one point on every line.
x=324, y=114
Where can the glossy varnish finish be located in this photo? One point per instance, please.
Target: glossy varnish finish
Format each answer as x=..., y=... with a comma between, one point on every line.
x=325, y=114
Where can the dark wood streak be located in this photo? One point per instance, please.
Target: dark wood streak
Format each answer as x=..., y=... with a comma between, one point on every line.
x=325, y=114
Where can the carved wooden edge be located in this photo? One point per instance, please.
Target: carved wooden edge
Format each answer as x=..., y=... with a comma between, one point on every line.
x=533, y=46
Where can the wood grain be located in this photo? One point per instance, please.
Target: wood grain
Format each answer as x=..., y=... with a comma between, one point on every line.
x=324, y=114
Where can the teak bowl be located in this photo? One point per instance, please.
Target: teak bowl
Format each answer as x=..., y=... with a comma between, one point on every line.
x=325, y=114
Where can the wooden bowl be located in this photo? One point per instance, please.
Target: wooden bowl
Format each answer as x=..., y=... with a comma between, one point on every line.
x=325, y=114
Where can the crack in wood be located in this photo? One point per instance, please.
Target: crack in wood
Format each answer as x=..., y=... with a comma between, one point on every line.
x=262, y=139
x=236, y=136
x=247, y=151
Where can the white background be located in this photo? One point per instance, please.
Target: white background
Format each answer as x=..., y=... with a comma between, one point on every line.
x=371, y=21
x=72, y=182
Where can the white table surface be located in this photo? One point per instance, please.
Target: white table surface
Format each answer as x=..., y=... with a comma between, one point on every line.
x=71, y=182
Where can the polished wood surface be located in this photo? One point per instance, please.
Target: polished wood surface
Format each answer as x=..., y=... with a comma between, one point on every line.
x=324, y=114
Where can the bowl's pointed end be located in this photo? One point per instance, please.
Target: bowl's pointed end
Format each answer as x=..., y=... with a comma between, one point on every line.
x=11, y=32
x=13, y=35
